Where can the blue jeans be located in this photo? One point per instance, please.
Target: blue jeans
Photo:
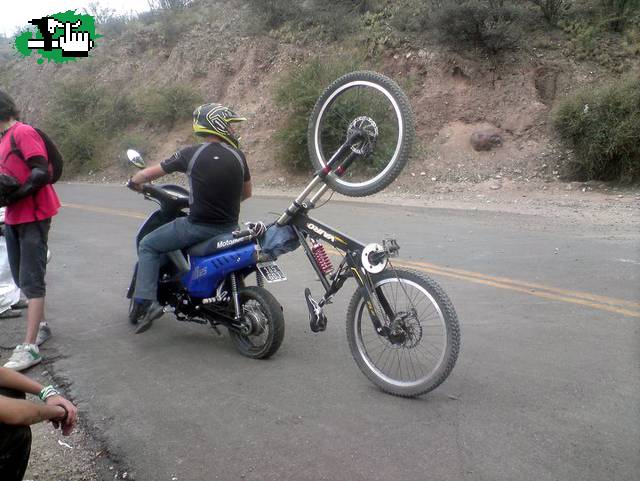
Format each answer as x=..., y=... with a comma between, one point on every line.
x=175, y=235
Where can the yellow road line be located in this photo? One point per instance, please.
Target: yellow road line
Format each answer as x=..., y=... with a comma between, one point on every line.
x=582, y=295
x=536, y=290
x=106, y=210
x=545, y=294
x=603, y=303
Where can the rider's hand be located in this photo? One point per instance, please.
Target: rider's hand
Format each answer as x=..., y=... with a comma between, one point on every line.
x=133, y=186
x=69, y=421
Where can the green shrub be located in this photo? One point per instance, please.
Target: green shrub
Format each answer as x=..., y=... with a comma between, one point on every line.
x=297, y=94
x=616, y=12
x=412, y=15
x=166, y=105
x=488, y=25
x=602, y=126
x=329, y=20
x=82, y=118
x=552, y=10
x=271, y=14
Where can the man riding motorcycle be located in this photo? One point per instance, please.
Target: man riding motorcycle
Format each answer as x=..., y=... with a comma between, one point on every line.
x=219, y=181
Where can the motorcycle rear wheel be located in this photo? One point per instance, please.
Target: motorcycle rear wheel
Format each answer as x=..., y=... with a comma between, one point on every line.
x=426, y=350
x=264, y=313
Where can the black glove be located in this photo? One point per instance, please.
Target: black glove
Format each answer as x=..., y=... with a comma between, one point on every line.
x=36, y=180
x=8, y=185
x=132, y=185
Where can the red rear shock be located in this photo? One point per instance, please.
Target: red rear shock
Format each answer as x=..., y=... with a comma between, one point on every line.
x=321, y=257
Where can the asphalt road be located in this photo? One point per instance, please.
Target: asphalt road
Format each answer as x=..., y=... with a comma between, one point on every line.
x=547, y=386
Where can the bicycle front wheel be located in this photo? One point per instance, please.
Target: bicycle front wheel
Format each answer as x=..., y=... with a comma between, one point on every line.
x=424, y=343
x=376, y=106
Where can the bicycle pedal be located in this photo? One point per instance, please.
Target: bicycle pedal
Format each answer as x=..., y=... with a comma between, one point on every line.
x=317, y=319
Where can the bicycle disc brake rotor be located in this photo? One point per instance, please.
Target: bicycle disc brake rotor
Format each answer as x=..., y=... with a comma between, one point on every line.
x=408, y=332
x=369, y=130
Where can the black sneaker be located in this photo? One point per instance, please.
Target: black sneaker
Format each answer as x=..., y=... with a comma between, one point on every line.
x=21, y=304
x=152, y=312
x=10, y=313
x=138, y=309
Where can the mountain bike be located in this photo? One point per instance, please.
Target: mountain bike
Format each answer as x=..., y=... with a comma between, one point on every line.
x=402, y=328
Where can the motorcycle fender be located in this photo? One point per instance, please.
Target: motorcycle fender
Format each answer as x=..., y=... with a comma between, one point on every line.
x=132, y=286
x=155, y=220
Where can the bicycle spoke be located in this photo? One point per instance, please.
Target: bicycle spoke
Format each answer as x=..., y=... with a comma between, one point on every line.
x=417, y=355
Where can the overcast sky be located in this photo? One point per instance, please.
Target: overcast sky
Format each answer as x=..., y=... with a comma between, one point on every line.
x=15, y=14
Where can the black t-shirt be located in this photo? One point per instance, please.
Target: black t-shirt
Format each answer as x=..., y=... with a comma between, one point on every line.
x=216, y=178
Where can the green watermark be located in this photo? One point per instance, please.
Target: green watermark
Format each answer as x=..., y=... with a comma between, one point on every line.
x=60, y=37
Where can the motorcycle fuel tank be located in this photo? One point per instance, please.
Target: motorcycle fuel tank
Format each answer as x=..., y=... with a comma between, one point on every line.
x=208, y=271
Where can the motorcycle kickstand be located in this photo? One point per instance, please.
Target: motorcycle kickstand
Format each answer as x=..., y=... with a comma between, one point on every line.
x=317, y=317
x=215, y=328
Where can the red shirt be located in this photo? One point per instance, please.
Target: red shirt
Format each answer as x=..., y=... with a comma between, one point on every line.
x=45, y=203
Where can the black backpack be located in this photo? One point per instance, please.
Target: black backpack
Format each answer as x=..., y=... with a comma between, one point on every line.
x=55, y=157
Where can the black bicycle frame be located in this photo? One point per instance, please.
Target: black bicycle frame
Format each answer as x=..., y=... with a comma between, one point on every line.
x=307, y=227
x=351, y=265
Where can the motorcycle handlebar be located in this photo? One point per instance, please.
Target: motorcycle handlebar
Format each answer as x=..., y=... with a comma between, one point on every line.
x=157, y=192
x=242, y=233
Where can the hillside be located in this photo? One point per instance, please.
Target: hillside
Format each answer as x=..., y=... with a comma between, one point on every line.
x=229, y=51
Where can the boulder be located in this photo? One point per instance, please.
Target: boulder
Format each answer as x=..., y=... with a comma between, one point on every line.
x=485, y=139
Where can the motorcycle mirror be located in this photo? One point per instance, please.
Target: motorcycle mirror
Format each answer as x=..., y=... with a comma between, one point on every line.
x=135, y=158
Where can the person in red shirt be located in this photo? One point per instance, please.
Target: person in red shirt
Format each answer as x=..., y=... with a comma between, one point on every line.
x=27, y=223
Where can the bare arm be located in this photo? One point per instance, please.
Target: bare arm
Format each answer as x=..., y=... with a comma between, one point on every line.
x=18, y=412
x=14, y=380
x=147, y=175
x=246, y=190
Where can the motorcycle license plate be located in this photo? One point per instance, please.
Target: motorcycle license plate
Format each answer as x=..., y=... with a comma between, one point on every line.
x=271, y=272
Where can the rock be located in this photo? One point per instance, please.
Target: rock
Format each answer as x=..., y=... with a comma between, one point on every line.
x=483, y=140
x=495, y=186
x=422, y=53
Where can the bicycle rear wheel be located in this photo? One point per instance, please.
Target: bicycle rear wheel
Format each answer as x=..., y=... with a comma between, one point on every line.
x=376, y=106
x=425, y=343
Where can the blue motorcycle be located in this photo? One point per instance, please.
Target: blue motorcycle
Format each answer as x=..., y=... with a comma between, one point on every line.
x=402, y=329
x=205, y=283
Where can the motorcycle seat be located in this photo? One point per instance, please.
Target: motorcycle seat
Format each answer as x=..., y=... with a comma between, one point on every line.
x=217, y=244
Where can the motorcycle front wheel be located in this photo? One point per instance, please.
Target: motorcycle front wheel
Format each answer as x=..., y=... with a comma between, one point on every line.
x=426, y=341
x=264, y=323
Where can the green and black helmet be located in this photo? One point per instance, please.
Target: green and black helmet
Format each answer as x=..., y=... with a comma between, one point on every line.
x=215, y=119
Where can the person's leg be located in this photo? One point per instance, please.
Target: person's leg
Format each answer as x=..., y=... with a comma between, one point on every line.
x=12, y=237
x=173, y=236
x=15, y=449
x=35, y=315
x=32, y=244
x=33, y=268
x=152, y=248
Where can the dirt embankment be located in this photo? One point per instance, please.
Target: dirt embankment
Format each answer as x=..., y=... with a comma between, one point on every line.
x=453, y=95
